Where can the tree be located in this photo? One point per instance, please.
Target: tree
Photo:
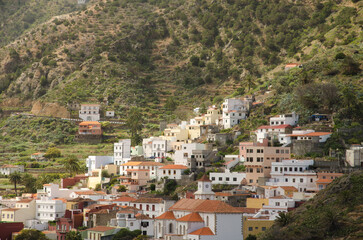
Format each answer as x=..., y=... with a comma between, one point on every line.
x=249, y=81
x=170, y=186
x=171, y=104
x=15, y=178
x=29, y=182
x=134, y=123
x=31, y=234
x=283, y=219
x=71, y=164
x=203, y=109
x=125, y=234
x=52, y=152
x=251, y=237
x=73, y=235
x=105, y=174
x=121, y=188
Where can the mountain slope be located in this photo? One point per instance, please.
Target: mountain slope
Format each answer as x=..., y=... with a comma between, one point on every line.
x=334, y=213
x=145, y=53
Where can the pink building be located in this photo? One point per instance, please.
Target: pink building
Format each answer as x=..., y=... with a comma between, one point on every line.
x=258, y=158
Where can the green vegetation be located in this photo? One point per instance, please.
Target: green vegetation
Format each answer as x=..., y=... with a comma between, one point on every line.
x=333, y=213
x=31, y=234
x=162, y=56
x=124, y=233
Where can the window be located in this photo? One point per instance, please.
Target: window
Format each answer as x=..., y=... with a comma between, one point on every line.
x=301, y=180
x=220, y=179
x=263, y=228
x=227, y=178
x=251, y=180
x=293, y=180
x=131, y=224
x=311, y=180
x=234, y=179
x=213, y=178
x=277, y=204
x=250, y=228
x=277, y=151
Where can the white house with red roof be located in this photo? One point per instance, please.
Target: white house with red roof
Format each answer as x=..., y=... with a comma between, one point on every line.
x=172, y=171
x=200, y=219
x=8, y=169
x=152, y=207
x=90, y=194
x=123, y=201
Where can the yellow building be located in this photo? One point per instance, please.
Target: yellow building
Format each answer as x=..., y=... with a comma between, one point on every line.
x=213, y=114
x=194, y=131
x=112, y=169
x=17, y=214
x=256, y=202
x=95, y=179
x=254, y=226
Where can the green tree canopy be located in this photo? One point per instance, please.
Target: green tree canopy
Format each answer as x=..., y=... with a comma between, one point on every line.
x=52, y=152
x=125, y=234
x=29, y=182
x=134, y=123
x=71, y=164
x=73, y=235
x=31, y=234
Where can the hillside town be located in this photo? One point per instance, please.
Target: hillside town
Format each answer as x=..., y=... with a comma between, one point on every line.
x=184, y=184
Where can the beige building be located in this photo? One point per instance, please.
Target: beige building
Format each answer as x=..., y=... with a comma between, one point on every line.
x=258, y=158
x=212, y=116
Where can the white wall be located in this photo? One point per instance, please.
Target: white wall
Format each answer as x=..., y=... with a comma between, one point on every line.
x=232, y=178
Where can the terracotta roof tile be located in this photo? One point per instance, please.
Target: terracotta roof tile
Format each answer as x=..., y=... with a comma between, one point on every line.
x=100, y=229
x=148, y=200
x=174, y=166
x=202, y=231
x=204, y=179
x=192, y=217
x=89, y=122
x=141, y=216
x=166, y=216
x=199, y=205
x=124, y=199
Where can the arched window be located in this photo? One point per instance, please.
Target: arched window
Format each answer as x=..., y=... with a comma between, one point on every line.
x=207, y=221
x=180, y=229
x=159, y=228
x=184, y=230
x=170, y=228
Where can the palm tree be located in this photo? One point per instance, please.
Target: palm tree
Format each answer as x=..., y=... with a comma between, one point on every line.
x=15, y=178
x=29, y=182
x=71, y=164
x=250, y=81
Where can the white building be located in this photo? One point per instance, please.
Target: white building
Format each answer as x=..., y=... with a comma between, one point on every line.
x=181, y=156
x=8, y=169
x=156, y=147
x=212, y=116
x=152, y=207
x=134, y=219
x=48, y=209
x=204, y=189
x=354, y=156
x=89, y=194
x=234, y=110
x=152, y=167
x=231, y=178
x=52, y=190
x=294, y=173
x=270, y=132
x=96, y=162
x=171, y=172
x=199, y=219
x=90, y=112
x=290, y=119
x=122, y=151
